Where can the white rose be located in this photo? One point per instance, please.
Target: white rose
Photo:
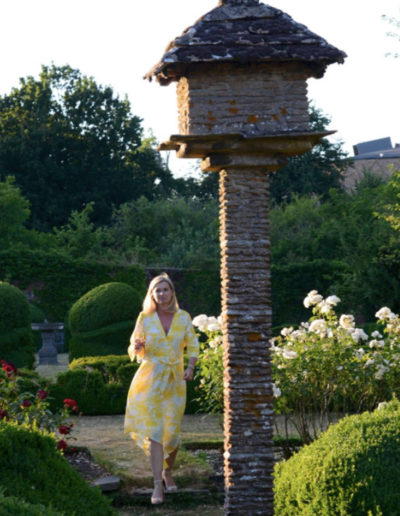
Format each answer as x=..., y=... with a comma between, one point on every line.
x=276, y=391
x=384, y=313
x=289, y=354
x=212, y=324
x=358, y=334
x=200, y=322
x=286, y=331
x=381, y=371
x=332, y=300
x=346, y=321
x=318, y=326
x=359, y=353
x=324, y=307
x=312, y=298
x=376, y=334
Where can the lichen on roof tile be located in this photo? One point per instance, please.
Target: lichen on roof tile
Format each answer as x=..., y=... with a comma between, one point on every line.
x=244, y=31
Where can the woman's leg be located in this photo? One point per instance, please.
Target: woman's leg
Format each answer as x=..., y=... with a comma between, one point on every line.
x=156, y=461
x=167, y=473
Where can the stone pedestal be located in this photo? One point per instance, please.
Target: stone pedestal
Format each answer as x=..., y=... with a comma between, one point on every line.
x=50, y=336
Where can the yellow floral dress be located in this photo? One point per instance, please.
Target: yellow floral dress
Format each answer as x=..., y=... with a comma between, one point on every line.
x=157, y=395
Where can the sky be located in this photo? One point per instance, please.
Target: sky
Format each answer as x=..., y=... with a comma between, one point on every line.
x=118, y=41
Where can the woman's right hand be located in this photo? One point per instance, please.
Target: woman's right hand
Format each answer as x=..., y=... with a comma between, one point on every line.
x=139, y=344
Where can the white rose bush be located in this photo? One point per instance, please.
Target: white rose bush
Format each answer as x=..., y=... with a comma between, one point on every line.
x=210, y=368
x=328, y=367
x=323, y=369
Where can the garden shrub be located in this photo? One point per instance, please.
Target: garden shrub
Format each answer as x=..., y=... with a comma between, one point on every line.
x=352, y=469
x=33, y=470
x=13, y=506
x=57, y=280
x=102, y=320
x=100, y=385
x=16, y=339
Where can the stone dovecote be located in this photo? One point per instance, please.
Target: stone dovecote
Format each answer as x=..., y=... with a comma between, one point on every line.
x=241, y=73
x=242, y=68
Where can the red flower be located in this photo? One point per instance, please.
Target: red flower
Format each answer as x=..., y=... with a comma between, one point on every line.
x=61, y=445
x=9, y=368
x=3, y=414
x=64, y=429
x=41, y=394
x=68, y=403
x=26, y=404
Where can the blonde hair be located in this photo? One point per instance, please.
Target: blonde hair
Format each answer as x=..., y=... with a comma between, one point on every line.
x=149, y=305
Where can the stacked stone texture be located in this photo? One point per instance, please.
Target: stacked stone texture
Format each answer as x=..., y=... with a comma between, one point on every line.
x=246, y=319
x=214, y=101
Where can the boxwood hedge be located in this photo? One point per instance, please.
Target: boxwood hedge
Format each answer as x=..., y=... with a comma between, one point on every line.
x=353, y=469
x=16, y=338
x=34, y=471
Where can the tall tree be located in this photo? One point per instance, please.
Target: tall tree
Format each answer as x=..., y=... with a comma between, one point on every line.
x=69, y=141
x=14, y=211
x=314, y=172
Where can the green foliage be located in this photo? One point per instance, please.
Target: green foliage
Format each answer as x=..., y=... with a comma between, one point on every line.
x=209, y=373
x=100, y=385
x=350, y=244
x=14, y=211
x=290, y=281
x=352, y=469
x=16, y=339
x=90, y=392
x=314, y=172
x=104, y=305
x=34, y=471
x=23, y=400
x=14, y=308
x=79, y=238
x=201, y=290
x=69, y=141
x=173, y=232
x=102, y=320
x=58, y=280
x=13, y=506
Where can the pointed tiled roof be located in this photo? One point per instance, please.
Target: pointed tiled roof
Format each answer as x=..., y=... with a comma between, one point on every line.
x=245, y=31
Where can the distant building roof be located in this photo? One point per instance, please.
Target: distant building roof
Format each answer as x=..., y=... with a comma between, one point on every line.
x=376, y=149
x=245, y=31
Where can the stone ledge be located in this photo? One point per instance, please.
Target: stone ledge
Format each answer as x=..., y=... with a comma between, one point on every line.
x=106, y=484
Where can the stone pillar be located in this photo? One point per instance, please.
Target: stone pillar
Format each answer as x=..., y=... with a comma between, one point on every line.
x=246, y=320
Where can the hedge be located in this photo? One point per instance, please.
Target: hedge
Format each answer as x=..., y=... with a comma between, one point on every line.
x=100, y=385
x=13, y=506
x=56, y=281
x=33, y=470
x=102, y=320
x=16, y=338
x=353, y=469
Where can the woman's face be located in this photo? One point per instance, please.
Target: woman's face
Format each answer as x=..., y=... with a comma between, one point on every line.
x=162, y=293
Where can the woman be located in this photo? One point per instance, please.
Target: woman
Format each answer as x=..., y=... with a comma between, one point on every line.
x=157, y=395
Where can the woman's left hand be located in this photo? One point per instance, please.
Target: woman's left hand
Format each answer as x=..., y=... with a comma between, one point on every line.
x=188, y=374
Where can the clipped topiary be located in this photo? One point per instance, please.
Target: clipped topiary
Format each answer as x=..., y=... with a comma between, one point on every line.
x=102, y=320
x=100, y=385
x=16, y=339
x=12, y=506
x=34, y=471
x=352, y=469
